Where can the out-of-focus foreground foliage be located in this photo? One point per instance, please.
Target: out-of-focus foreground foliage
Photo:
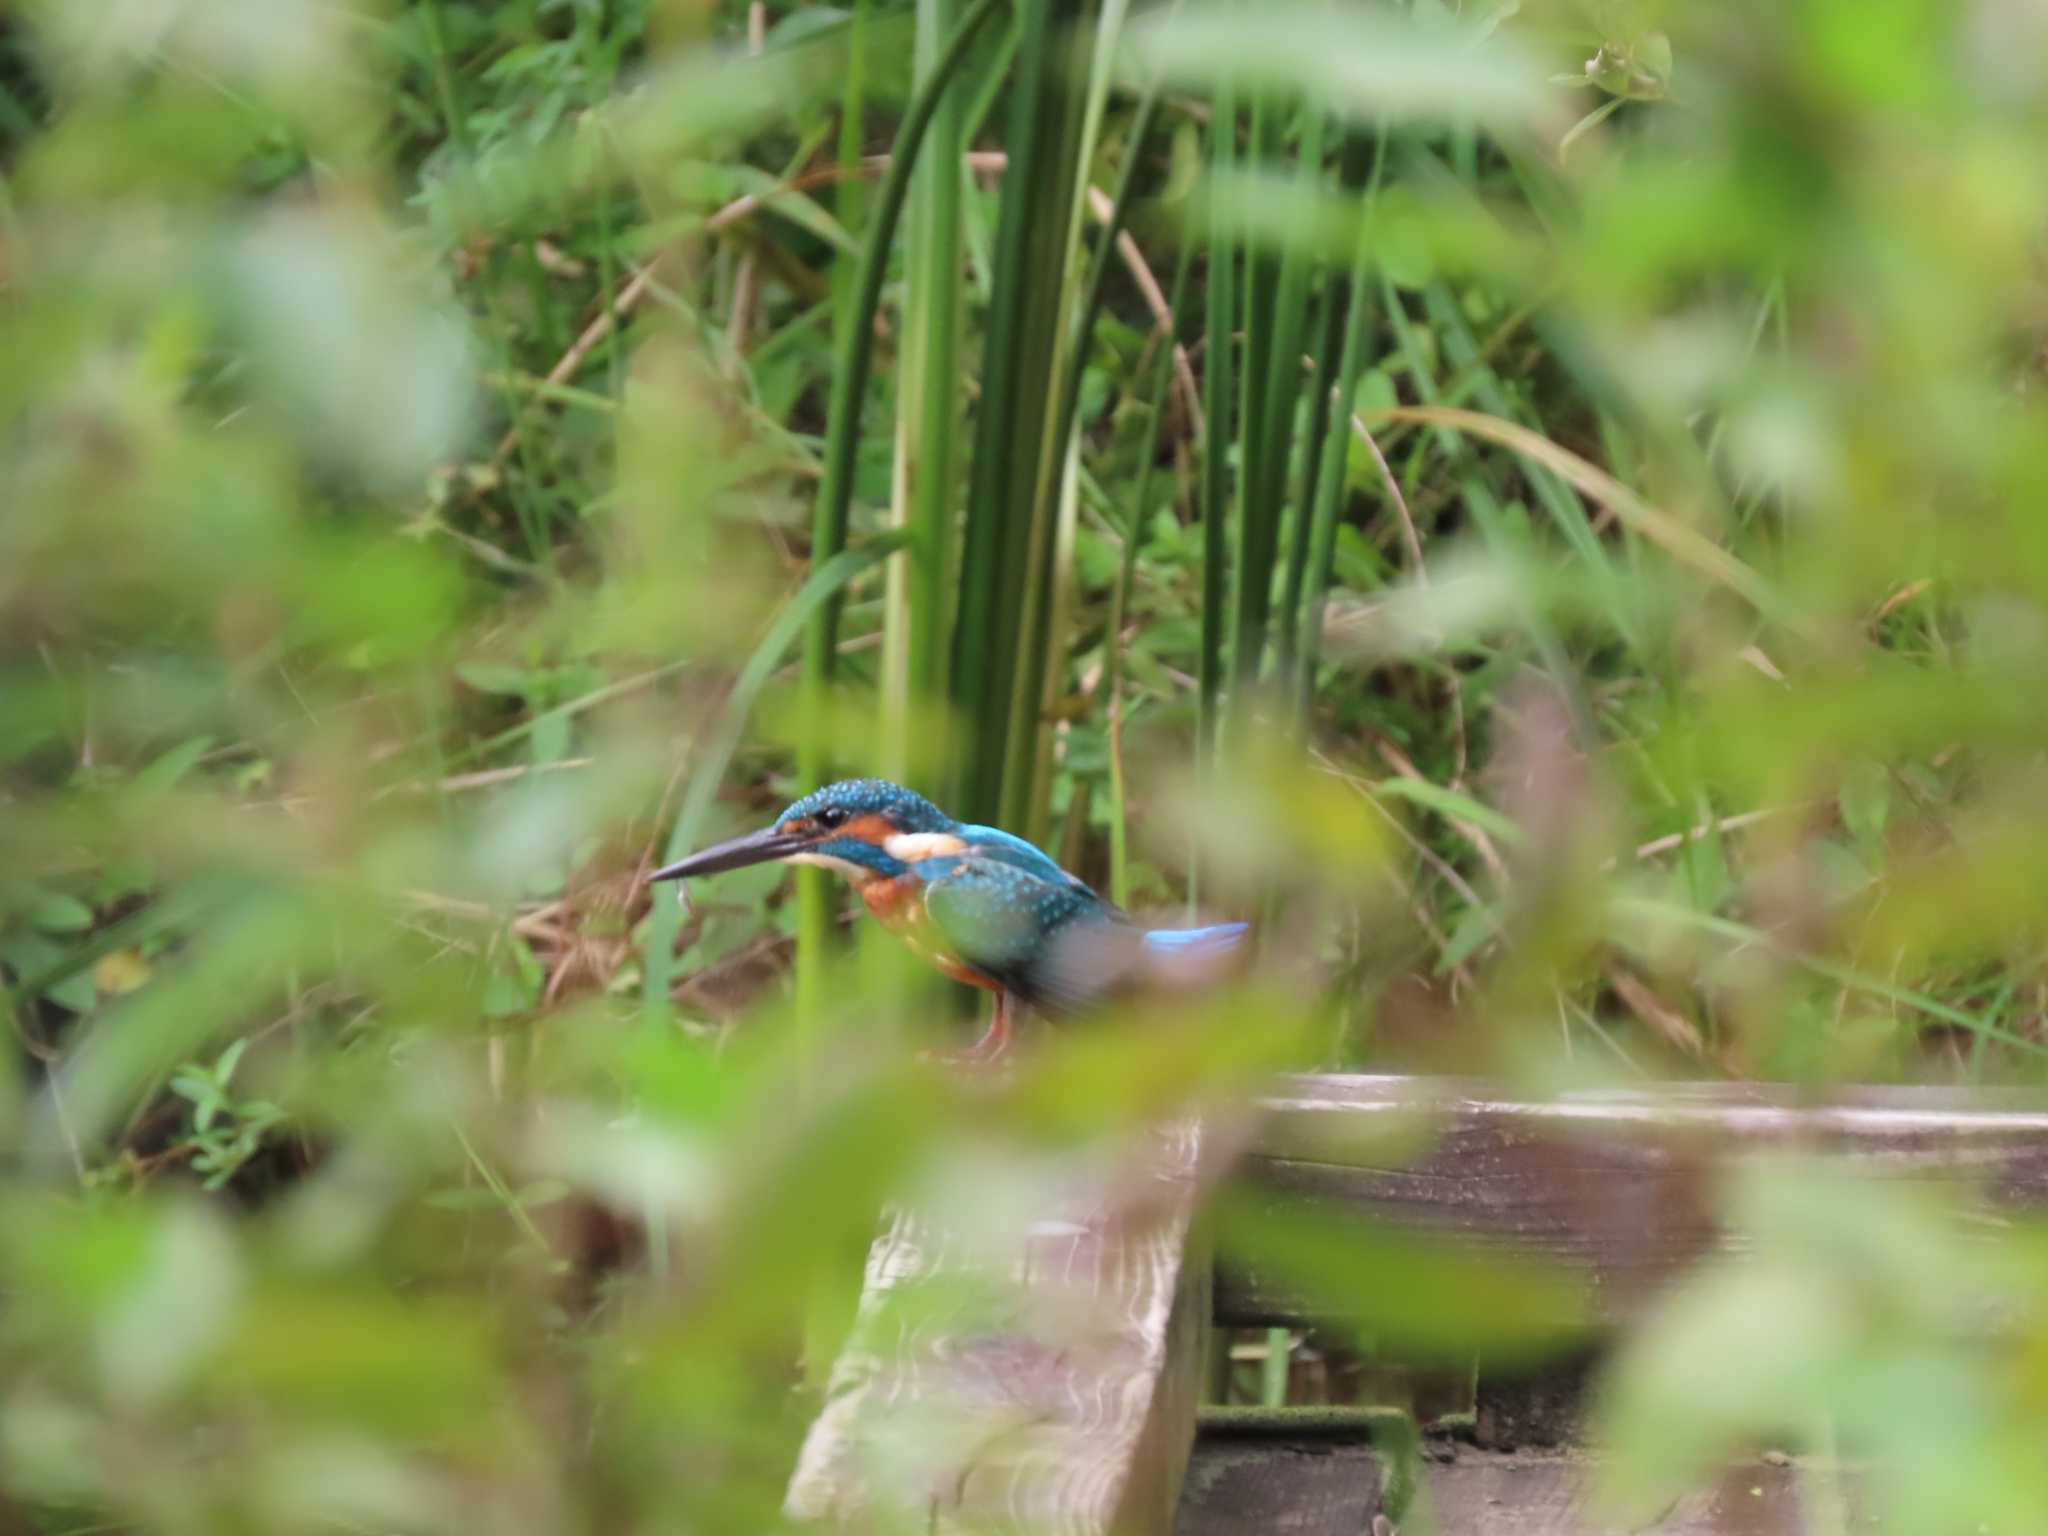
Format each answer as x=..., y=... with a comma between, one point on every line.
x=410, y=421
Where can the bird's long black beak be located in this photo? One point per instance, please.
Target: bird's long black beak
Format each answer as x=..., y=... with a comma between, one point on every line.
x=735, y=853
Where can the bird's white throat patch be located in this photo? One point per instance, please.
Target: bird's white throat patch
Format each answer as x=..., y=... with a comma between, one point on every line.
x=912, y=846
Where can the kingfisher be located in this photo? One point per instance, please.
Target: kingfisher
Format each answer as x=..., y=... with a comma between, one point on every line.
x=983, y=906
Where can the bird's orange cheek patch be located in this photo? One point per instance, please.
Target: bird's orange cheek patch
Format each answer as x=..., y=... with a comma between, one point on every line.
x=869, y=829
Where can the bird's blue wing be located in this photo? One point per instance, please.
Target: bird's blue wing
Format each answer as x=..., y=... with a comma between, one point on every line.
x=1007, y=848
x=1009, y=921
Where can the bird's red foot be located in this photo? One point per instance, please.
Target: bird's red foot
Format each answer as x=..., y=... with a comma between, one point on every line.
x=973, y=1059
x=990, y=1051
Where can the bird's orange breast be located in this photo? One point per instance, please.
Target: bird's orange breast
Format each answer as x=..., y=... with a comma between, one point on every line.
x=893, y=902
x=898, y=905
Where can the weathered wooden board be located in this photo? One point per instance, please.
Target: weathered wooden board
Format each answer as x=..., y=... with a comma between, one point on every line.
x=1240, y=1486
x=1484, y=1495
x=1045, y=1381
x=1304, y=1488
x=1618, y=1187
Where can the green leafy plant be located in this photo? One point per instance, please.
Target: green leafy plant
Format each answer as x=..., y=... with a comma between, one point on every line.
x=227, y=1131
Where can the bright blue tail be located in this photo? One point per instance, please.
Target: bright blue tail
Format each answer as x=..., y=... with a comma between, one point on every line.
x=1197, y=941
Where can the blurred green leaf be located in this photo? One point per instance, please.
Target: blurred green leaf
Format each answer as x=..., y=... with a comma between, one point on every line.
x=366, y=367
x=1449, y=803
x=1865, y=801
x=34, y=958
x=58, y=913
x=1844, y=1305
x=1361, y=60
x=1675, y=1408
x=1428, y=1299
x=166, y=771
x=355, y=1358
x=490, y=677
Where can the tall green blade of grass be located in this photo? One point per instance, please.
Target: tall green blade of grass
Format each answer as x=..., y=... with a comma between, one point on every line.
x=835, y=499
x=851, y=343
x=1041, y=642
x=927, y=412
x=1332, y=304
x=850, y=195
x=1105, y=252
x=1326, y=414
x=1012, y=486
x=853, y=326
x=1322, y=538
x=1216, y=438
x=1283, y=396
x=1028, y=775
x=1276, y=316
x=835, y=490
x=1257, y=296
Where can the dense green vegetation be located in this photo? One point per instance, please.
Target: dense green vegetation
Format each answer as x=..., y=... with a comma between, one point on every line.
x=1577, y=575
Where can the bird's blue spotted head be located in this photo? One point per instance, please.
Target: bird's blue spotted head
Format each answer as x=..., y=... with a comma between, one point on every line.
x=853, y=801
x=863, y=827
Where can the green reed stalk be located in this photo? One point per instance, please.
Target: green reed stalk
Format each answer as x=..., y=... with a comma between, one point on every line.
x=1012, y=496
x=1322, y=543
x=1266, y=504
x=1055, y=504
x=1216, y=435
x=1258, y=298
x=1326, y=414
x=1027, y=783
x=1332, y=307
x=1099, y=262
x=835, y=490
x=927, y=412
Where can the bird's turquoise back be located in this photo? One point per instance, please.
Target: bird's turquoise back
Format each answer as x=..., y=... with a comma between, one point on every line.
x=1008, y=848
x=1040, y=933
x=1005, y=847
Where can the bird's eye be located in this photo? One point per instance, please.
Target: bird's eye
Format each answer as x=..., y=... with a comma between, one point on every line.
x=832, y=816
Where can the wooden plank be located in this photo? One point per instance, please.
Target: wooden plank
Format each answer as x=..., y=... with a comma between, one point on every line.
x=1548, y=1495
x=1152, y=1488
x=1303, y=1488
x=1618, y=1187
x=1043, y=1379
x=1240, y=1486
